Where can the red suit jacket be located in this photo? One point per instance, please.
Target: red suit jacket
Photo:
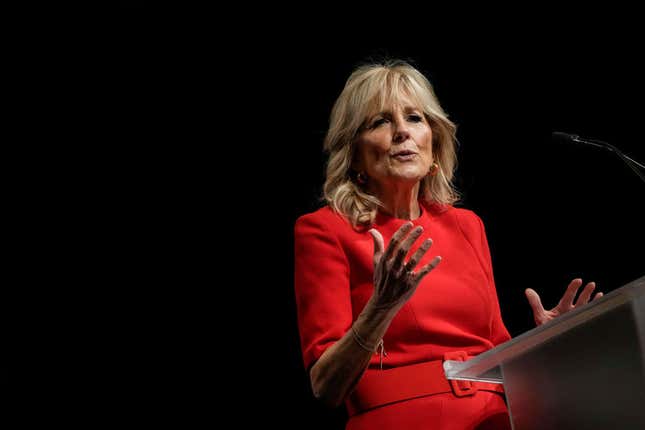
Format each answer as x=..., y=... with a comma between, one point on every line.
x=454, y=308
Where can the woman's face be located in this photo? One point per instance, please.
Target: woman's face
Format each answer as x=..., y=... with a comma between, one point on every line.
x=395, y=145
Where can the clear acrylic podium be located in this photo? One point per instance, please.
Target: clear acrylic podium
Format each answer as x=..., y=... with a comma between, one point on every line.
x=582, y=370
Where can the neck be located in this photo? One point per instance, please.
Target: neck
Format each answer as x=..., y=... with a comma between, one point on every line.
x=401, y=201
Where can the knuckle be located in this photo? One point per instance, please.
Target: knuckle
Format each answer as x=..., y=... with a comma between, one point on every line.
x=400, y=253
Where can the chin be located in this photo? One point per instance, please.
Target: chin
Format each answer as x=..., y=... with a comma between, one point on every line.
x=410, y=175
x=407, y=178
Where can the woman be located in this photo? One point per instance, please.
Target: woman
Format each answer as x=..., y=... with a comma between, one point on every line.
x=391, y=279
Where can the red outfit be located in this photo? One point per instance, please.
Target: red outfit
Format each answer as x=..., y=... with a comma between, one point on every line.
x=455, y=308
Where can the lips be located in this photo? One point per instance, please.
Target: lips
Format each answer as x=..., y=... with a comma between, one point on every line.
x=405, y=156
x=403, y=152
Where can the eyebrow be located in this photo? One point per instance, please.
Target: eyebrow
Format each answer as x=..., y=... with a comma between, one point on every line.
x=407, y=109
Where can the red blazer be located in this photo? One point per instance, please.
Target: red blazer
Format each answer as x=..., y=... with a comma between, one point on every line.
x=454, y=308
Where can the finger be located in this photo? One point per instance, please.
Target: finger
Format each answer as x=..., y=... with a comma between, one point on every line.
x=586, y=294
x=400, y=254
x=418, y=255
x=597, y=296
x=396, y=239
x=378, y=245
x=567, y=299
x=534, y=300
x=427, y=269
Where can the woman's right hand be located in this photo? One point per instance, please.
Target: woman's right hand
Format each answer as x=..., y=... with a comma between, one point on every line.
x=395, y=280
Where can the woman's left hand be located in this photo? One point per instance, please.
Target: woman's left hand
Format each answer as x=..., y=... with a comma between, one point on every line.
x=541, y=315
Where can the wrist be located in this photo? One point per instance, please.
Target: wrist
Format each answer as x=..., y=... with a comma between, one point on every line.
x=372, y=323
x=381, y=311
x=363, y=343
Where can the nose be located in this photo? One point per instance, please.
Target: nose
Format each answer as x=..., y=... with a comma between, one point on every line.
x=401, y=131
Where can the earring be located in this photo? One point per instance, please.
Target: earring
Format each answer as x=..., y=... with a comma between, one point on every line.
x=434, y=169
x=361, y=178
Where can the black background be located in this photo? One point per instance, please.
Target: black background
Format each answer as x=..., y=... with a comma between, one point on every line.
x=232, y=143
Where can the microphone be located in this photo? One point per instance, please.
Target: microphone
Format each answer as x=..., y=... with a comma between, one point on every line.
x=559, y=136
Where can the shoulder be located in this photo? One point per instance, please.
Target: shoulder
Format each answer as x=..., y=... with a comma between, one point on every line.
x=467, y=216
x=323, y=218
x=466, y=220
x=449, y=212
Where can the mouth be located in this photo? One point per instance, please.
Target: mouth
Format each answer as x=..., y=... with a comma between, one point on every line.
x=404, y=155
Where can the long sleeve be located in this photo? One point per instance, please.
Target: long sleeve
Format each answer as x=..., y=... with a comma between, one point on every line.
x=322, y=287
x=499, y=332
x=473, y=228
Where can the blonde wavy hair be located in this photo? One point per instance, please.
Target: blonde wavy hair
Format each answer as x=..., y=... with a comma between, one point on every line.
x=369, y=90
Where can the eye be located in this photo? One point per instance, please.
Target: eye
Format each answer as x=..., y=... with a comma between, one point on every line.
x=415, y=118
x=378, y=122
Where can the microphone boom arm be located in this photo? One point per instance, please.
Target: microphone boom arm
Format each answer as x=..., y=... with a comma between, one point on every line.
x=627, y=160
